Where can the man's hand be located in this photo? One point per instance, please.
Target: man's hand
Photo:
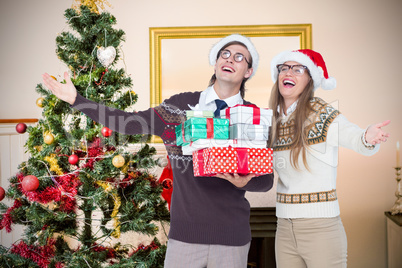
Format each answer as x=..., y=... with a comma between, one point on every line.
x=236, y=179
x=66, y=92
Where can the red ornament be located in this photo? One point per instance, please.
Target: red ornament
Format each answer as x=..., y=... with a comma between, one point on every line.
x=73, y=159
x=2, y=193
x=106, y=132
x=30, y=183
x=21, y=128
x=167, y=184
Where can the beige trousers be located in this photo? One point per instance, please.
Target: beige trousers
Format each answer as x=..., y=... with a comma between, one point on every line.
x=311, y=243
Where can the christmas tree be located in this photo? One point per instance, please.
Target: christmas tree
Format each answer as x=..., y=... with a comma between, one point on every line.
x=78, y=168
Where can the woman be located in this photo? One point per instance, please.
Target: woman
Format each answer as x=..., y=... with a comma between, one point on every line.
x=305, y=136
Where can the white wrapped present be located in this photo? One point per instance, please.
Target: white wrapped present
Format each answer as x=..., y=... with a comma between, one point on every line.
x=199, y=113
x=249, y=132
x=243, y=114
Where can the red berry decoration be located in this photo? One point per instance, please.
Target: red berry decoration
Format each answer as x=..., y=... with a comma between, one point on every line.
x=73, y=159
x=167, y=184
x=106, y=132
x=21, y=128
x=30, y=183
x=2, y=193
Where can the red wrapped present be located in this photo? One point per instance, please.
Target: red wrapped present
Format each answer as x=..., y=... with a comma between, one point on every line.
x=213, y=160
x=205, y=143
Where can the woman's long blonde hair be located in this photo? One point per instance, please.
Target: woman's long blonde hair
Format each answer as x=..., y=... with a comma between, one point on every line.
x=300, y=117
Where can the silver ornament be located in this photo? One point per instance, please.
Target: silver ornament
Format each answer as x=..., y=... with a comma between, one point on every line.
x=106, y=55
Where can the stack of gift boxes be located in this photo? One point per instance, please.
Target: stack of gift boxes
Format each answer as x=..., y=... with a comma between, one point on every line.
x=234, y=143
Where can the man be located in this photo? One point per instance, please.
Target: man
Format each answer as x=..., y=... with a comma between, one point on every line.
x=209, y=215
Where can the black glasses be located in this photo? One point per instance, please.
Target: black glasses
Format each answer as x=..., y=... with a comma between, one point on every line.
x=296, y=69
x=238, y=57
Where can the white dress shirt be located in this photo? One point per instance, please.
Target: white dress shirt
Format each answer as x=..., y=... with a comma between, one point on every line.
x=208, y=97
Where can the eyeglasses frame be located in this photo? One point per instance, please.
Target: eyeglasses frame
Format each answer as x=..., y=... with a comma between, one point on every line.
x=291, y=68
x=230, y=54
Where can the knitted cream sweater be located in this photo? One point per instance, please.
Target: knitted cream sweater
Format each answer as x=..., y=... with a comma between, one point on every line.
x=312, y=193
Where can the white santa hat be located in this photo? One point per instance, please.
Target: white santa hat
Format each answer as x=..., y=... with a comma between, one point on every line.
x=312, y=60
x=213, y=54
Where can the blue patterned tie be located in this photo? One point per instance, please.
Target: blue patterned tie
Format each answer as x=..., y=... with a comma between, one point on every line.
x=220, y=104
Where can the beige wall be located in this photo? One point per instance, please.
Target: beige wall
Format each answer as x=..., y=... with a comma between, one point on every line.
x=360, y=41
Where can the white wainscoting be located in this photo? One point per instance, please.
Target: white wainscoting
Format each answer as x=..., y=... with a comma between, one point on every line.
x=12, y=153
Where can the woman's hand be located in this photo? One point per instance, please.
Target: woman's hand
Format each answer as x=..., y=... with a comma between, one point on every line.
x=375, y=135
x=66, y=92
x=236, y=179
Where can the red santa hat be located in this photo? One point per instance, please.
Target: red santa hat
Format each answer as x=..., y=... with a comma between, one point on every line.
x=312, y=60
x=213, y=54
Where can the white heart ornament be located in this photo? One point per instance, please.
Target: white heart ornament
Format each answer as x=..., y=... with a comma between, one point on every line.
x=106, y=55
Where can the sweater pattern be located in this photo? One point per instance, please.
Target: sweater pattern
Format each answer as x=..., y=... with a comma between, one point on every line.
x=171, y=116
x=316, y=129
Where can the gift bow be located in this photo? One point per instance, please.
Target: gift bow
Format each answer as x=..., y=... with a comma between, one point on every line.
x=256, y=112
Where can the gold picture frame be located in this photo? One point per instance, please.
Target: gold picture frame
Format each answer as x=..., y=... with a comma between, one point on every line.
x=160, y=38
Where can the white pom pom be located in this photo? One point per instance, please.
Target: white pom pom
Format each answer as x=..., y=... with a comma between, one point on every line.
x=328, y=84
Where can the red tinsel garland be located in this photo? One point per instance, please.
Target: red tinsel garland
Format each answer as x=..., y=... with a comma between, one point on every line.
x=152, y=180
x=7, y=220
x=131, y=177
x=59, y=265
x=63, y=192
x=68, y=204
x=151, y=246
x=111, y=252
x=94, y=151
x=39, y=254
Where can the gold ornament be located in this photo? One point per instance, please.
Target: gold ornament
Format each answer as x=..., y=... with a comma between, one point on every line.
x=39, y=102
x=48, y=138
x=118, y=161
x=53, y=77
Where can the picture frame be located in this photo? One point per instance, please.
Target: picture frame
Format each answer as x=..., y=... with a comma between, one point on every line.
x=179, y=57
